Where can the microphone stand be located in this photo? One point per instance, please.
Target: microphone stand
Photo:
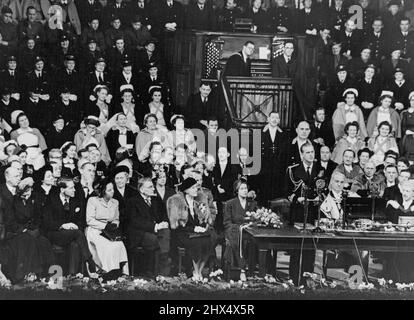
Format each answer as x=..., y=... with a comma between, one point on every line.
x=344, y=198
x=305, y=207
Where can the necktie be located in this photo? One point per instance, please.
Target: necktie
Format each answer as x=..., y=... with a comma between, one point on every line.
x=12, y=73
x=101, y=80
x=39, y=75
x=308, y=170
x=148, y=201
x=66, y=205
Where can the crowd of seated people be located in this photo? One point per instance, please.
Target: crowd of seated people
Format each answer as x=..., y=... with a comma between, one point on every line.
x=97, y=159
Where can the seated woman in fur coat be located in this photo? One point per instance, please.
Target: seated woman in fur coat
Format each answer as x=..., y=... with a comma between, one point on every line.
x=190, y=222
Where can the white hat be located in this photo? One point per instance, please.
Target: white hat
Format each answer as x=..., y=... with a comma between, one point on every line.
x=353, y=90
x=387, y=93
x=14, y=116
x=410, y=95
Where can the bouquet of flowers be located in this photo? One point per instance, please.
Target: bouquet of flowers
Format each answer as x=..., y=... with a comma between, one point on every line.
x=265, y=218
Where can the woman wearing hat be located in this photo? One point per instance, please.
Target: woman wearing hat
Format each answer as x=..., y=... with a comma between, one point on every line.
x=351, y=140
x=90, y=134
x=390, y=64
x=347, y=112
x=384, y=112
x=120, y=135
x=24, y=226
x=33, y=140
x=382, y=142
x=128, y=107
x=407, y=130
x=190, y=223
x=157, y=107
x=368, y=89
x=181, y=135
x=151, y=132
x=401, y=89
x=101, y=106
x=234, y=214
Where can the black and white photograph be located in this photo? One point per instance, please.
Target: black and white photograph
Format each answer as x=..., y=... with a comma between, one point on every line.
x=201, y=151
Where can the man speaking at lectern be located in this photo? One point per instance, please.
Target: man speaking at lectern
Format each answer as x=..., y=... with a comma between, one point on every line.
x=239, y=64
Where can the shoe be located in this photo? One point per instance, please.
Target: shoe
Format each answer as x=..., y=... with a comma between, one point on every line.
x=91, y=268
x=243, y=276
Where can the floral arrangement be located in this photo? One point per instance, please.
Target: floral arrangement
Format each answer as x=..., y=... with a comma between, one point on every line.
x=265, y=218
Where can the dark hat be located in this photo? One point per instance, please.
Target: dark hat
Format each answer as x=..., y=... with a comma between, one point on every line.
x=152, y=65
x=115, y=17
x=38, y=59
x=136, y=19
x=187, y=184
x=126, y=63
x=151, y=40
x=5, y=10
x=394, y=3
x=91, y=40
x=120, y=169
x=64, y=89
x=119, y=37
x=5, y=90
x=92, y=120
x=64, y=37
x=70, y=57
x=11, y=58
x=391, y=154
x=340, y=68
x=399, y=70
x=57, y=117
x=372, y=66
x=100, y=59
x=35, y=89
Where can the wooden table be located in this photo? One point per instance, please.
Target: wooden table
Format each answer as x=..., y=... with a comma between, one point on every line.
x=263, y=239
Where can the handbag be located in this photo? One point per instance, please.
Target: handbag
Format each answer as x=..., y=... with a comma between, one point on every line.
x=112, y=232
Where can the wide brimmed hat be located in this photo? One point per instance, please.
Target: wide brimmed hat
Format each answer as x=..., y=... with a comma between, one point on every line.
x=187, y=184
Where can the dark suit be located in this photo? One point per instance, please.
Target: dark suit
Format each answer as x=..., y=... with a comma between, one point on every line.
x=352, y=43
x=281, y=17
x=306, y=21
x=236, y=66
x=368, y=92
x=55, y=216
x=231, y=173
x=405, y=43
x=200, y=19
x=325, y=132
x=393, y=193
x=141, y=220
x=273, y=166
x=197, y=110
x=283, y=69
x=260, y=19
x=163, y=14
x=112, y=140
x=122, y=200
x=295, y=174
x=378, y=46
x=331, y=166
x=15, y=83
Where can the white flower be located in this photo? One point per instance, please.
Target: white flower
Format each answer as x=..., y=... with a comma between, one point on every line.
x=382, y=282
x=205, y=280
x=85, y=280
x=79, y=276
x=333, y=284
x=284, y=285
